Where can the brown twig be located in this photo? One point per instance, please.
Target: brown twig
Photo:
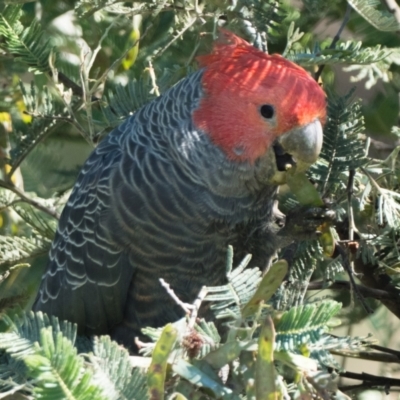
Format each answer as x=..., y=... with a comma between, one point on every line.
x=367, y=355
x=369, y=277
x=26, y=199
x=70, y=84
x=377, y=347
x=350, y=214
x=385, y=350
x=346, y=285
x=62, y=118
x=363, y=386
x=18, y=161
x=369, y=272
x=370, y=381
x=336, y=38
x=178, y=35
x=116, y=62
x=347, y=267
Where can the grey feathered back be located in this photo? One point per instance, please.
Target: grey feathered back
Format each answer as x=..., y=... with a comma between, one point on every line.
x=156, y=199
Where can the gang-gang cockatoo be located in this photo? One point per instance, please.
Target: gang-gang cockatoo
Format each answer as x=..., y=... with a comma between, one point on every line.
x=165, y=193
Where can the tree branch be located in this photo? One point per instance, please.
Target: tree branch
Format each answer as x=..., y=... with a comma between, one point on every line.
x=34, y=203
x=367, y=274
x=27, y=150
x=336, y=38
x=346, y=285
x=70, y=84
x=369, y=381
x=367, y=355
x=378, y=283
x=385, y=350
x=350, y=273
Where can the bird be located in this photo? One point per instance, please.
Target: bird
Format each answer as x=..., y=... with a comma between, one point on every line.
x=165, y=193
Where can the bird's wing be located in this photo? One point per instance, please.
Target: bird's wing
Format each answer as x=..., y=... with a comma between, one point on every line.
x=88, y=275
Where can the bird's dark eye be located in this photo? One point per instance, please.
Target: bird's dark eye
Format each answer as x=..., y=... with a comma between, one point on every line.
x=267, y=111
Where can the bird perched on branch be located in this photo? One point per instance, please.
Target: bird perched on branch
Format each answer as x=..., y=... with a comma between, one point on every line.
x=165, y=193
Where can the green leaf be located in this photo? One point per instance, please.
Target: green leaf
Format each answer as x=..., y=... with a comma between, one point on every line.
x=305, y=192
x=30, y=45
x=58, y=370
x=225, y=354
x=14, y=249
x=114, y=372
x=342, y=149
x=380, y=19
x=158, y=367
x=267, y=287
x=123, y=101
x=24, y=331
x=344, y=53
x=304, y=321
x=229, y=299
x=200, y=379
x=267, y=387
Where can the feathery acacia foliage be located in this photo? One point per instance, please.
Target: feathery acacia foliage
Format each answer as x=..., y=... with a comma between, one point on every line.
x=65, y=88
x=25, y=44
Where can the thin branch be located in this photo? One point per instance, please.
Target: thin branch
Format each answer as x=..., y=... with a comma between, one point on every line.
x=34, y=203
x=185, y=306
x=196, y=47
x=153, y=79
x=346, y=285
x=196, y=306
x=6, y=206
x=350, y=216
x=85, y=78
x=84, y=75
x=367, y=355
x=347, y=267
x=375, y=183
x=175, y=38
x=363, y=386
x=117, y=62
x=98, y=48
x=336, y=38
x=18, y=161
x=70, y=120
x=7, y=273
x=70, y=84
x=350, y=191
x=385, y=350
x=367, y=274
x=368, y=271
x=190, y=309
x=370, y=381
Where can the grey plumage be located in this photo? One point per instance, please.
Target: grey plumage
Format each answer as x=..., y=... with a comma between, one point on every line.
x=156, y=199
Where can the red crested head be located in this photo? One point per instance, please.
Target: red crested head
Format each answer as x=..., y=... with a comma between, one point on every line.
x=252, y=98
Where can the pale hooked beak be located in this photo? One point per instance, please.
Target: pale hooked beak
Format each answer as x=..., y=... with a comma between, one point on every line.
x=298, y=148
